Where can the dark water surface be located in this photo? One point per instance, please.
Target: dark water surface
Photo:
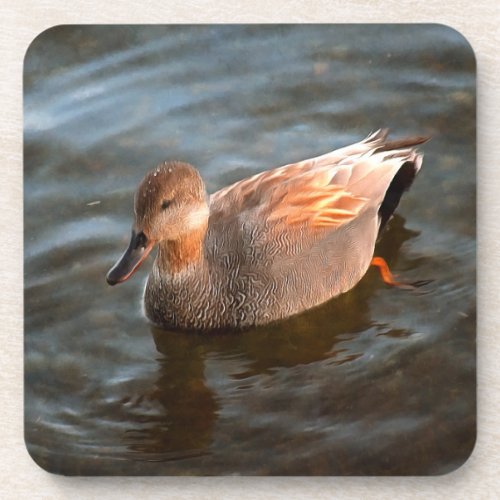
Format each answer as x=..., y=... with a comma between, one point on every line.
x=377, y=381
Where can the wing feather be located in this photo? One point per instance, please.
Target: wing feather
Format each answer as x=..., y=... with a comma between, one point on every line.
x=321, y=193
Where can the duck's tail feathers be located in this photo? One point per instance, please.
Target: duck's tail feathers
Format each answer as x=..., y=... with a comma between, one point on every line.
x=407, y=142
x=405, y=175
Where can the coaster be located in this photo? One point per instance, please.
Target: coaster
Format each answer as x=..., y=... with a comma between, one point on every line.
x=246, y=331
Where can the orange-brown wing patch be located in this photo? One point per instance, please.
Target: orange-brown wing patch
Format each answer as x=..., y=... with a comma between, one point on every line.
x=322, y=192
x=321, y=207
x=295, y=194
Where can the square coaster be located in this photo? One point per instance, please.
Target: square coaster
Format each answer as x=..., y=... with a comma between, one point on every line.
x=264, y=342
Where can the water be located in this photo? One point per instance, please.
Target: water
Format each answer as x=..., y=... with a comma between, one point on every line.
x=377, y=381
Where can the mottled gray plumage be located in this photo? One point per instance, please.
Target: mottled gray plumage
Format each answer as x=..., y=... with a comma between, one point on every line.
x=270, y=246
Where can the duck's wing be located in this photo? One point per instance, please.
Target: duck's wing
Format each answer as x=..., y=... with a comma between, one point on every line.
x=319, y=194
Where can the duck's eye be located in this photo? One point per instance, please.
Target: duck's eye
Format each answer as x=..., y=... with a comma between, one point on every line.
x=165, y=204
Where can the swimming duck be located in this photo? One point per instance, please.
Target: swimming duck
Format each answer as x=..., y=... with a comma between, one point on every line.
x=269, y=246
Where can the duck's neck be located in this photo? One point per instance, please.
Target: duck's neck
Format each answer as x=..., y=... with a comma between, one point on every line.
x=175, y=256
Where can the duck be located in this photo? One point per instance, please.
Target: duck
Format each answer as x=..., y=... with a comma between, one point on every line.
x=269, y=246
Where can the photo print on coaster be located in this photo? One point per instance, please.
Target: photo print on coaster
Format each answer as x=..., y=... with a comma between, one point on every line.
x=250, y=249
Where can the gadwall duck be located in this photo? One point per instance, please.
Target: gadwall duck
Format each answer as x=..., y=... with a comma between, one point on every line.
x=269, y=246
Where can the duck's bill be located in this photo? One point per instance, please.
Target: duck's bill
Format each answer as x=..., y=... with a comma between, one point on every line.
x=137, y=251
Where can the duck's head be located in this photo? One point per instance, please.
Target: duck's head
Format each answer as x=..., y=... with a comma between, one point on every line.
x=169, y=204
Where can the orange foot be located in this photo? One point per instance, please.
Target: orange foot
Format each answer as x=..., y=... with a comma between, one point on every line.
x=388, y=277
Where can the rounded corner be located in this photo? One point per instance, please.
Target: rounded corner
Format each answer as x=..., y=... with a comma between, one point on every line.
x=462, y=37
x=465, y=460
x=38, y=462
x=37, y=39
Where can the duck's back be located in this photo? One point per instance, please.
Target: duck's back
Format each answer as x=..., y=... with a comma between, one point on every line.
x=291, y=238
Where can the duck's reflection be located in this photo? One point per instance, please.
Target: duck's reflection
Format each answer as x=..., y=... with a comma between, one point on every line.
x=188, y=410
x=190, y=406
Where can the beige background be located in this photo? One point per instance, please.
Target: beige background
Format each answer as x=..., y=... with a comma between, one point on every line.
x=20, y=23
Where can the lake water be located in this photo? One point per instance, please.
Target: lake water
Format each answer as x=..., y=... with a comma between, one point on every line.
x=377, y=381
